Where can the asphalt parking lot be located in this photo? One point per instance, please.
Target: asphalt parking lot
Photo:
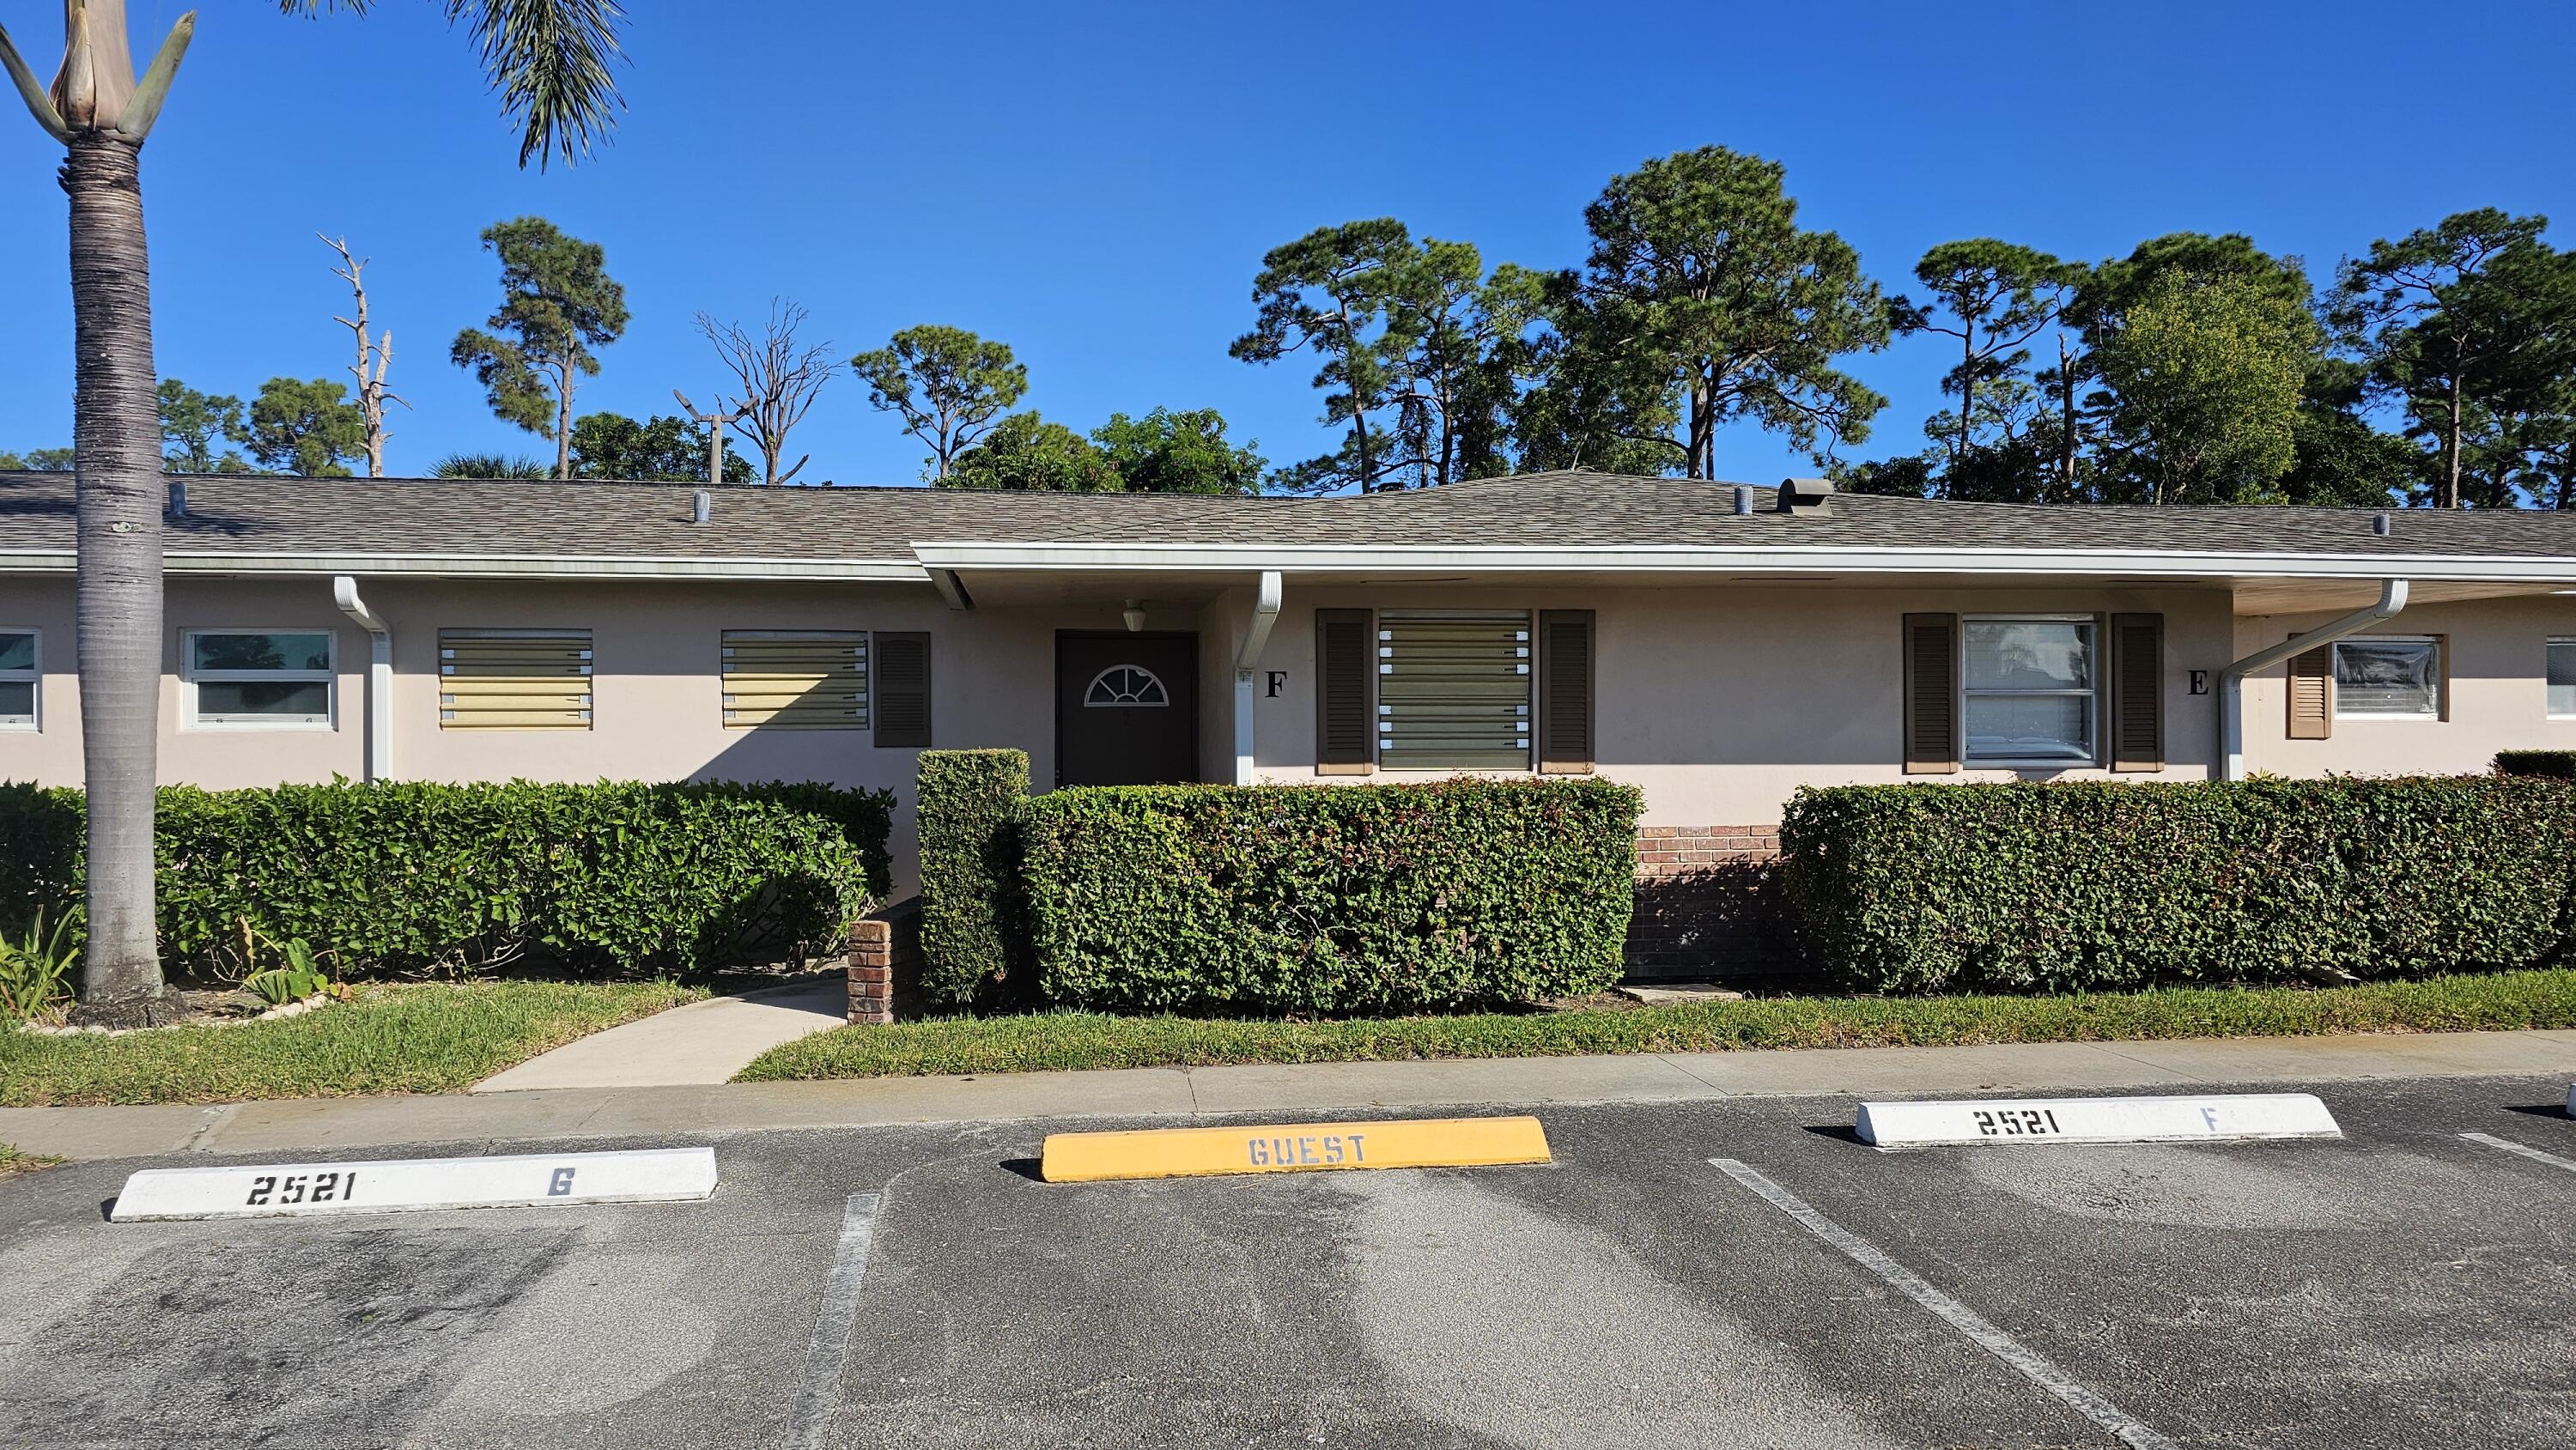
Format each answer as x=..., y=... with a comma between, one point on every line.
x=2403, y=1287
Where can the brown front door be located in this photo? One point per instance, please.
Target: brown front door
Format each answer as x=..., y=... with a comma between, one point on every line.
x=1126, y=708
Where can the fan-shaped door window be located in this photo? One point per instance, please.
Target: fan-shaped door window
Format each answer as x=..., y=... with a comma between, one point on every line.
x=1125, y=686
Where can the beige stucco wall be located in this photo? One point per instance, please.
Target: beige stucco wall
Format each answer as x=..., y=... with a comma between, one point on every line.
x=2498, y=693
x=1719, y=702
x=656, y=696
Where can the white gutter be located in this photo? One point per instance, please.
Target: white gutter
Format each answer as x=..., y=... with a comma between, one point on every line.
x=502, y=566
x=2177, y=564
x=2231, y=681
x=1265, y=613
x=380, y=676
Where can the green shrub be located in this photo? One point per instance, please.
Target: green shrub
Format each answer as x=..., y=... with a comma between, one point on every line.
x=1333, y=899
x=971, y=933
x=36, y=971
x=1924, y=888
x=2556, y=764
x=411, y=876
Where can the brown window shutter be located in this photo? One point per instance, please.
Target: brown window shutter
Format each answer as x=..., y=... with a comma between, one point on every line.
x=1565, y=692
x=2137, y=693
x=1931, y=694
x=1345, y=680
x=902, y=688
x=2442, y=677
x=2311, y=694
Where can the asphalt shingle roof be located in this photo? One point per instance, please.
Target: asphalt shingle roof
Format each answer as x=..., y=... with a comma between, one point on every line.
x=236, y=514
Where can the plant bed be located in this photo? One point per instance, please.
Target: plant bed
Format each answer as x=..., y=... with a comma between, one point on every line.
x=427, y=1038
x=1049, y=1041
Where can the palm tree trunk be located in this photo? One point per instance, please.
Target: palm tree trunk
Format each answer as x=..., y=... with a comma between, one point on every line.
x=117, y=444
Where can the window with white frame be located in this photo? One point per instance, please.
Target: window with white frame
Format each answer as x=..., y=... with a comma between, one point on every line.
x=18, y=679
x=2562, y=679
x=2027, y=689
x=2388, y=677
x=259, y=677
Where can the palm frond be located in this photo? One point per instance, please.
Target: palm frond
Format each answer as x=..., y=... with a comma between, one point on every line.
x=549, y=59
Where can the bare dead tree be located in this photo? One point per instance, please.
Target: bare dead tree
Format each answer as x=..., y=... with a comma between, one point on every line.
x=779, y=380
x=375, y=355
x=715, y=422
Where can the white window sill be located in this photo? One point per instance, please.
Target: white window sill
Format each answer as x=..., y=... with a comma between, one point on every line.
x=2030, y=765
x=2388, y=719
x=235, y=726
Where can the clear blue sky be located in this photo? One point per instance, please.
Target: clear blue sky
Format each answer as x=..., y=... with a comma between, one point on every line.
x=1095, y=185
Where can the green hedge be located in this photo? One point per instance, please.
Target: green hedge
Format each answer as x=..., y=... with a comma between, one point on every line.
x=2556, y=764
x=407, y=877
x=1328, y=899
x=971, y=936
x=1924, y=888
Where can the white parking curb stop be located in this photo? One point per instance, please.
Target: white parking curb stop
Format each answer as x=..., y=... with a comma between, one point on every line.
x=2232, y=1117
x=532, y=1180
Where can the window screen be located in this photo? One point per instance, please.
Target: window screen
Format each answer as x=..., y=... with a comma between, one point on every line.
x=2028, y=691
x=259, y=677
x=1453, y=689
x=17, y=678
x=2385, y=677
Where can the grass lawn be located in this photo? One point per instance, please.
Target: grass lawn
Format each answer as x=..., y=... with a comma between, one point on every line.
x=1050, y=1040
x=406, y=1039
x=13, y=1162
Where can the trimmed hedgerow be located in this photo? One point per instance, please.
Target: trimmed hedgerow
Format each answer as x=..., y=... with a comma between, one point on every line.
x=971, y=933
x=1925, y=888
x=403, y=877
x=1323, y=899
x=2555, y=764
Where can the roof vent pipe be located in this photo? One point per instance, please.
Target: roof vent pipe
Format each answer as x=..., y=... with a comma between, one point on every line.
x=2379, y=524
x=1744, y=498
x=178, y=499
x=702, y=505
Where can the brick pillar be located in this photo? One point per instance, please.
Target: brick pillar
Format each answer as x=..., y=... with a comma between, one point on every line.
x=871, y=971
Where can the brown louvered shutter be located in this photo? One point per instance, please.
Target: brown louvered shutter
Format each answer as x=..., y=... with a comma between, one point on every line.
x=902, y=688
x=1344, y=732
x=2137, y=693
x=2311, y=694
x=1931, y=694
x=2442, y=677
x=1565, y=691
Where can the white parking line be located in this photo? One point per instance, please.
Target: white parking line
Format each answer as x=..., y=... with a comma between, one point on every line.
x=833, y=1324
x=2011, y=1351
x=2534, y=1154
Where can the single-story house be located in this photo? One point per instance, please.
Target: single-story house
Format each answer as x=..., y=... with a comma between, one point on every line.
x=1716, y=645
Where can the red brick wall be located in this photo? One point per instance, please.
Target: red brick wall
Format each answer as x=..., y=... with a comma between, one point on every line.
x=1707, y=904
x=885, y=965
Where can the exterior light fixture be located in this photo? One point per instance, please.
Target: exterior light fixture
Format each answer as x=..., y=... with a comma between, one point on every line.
x=1134, y=614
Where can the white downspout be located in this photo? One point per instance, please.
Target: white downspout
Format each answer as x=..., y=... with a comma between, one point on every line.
x=2231, y=681
x=380, y=676
x=1265, y=613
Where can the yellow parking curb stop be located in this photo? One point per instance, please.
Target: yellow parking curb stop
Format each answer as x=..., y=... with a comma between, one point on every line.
x=1292, y=1148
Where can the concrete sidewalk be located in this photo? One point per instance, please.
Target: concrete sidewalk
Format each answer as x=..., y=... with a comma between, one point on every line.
x=701, y=1044
x=341, y=1124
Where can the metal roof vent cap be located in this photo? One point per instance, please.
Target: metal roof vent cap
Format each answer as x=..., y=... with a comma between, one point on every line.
x=178, y=499
x=1744, y=498
x=2380, y=524
x=702, y=505
x=1805, y=495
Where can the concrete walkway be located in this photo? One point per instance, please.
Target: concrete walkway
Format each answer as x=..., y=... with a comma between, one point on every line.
x=343, y=1124
x=700, y=1044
